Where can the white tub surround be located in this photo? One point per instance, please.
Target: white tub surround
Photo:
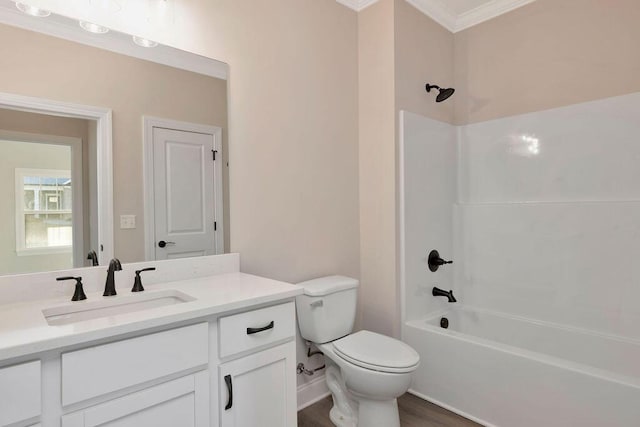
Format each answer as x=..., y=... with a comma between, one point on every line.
x=543, y=229
x=200, y=362
x=428, y=193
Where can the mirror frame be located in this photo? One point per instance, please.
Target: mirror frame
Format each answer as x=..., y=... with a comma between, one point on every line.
x=103, y=118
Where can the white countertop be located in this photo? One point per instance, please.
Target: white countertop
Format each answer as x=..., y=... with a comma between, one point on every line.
x=24, y=329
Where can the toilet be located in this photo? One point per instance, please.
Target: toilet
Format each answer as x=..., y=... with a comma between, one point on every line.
x=365, y=371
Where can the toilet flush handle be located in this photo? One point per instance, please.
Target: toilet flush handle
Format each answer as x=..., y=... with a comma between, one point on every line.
x=318, y=303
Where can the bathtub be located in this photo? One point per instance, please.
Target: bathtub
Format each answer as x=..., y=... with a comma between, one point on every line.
x=502, y=370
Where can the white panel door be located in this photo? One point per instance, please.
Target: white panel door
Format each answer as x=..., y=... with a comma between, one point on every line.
x=260, y=389
x=183, y=193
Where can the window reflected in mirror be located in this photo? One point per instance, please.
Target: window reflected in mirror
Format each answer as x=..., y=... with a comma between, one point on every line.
x=46, y=212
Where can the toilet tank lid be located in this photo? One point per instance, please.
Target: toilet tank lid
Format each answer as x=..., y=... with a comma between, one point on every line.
x=328, y=285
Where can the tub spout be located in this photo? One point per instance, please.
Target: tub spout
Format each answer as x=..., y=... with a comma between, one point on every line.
x=437, y=292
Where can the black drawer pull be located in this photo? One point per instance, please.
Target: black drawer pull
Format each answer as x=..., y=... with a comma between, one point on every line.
x=227, y=380
x=251, y=331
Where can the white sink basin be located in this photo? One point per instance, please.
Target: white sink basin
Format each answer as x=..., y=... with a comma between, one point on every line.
x=111, y=306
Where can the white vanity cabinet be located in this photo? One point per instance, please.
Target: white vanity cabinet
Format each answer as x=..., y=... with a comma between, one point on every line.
x=20, y=390
x=258, y=386
x=221, y=371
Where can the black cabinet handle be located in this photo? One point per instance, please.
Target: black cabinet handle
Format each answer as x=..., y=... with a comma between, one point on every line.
x=227, y=380
x=251, y=331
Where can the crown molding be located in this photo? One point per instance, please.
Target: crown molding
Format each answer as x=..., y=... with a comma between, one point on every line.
x=436, y=10
x=68, y=29
x=488, y=11
x=357, y=5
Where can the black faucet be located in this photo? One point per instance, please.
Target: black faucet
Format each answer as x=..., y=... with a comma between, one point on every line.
x=110, y=285
x=437, y=292
x=93, y=256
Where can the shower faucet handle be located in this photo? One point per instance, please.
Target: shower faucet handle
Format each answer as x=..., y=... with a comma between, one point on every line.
x=435, y=261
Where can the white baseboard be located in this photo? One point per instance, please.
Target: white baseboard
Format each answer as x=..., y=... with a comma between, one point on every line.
x=311, y=392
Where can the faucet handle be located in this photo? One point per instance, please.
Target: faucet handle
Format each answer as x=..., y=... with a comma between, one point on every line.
x=434, y=261
x=137, y=282
x=93, y=256
x=79, y=294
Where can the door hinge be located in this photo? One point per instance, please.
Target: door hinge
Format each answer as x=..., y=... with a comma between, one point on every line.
x=214, y=154
x=215, y=226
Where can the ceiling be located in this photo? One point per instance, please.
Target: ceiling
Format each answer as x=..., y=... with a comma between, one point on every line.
x=455, y=15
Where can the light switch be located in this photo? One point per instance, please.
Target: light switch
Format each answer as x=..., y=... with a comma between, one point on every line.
x=127, y=222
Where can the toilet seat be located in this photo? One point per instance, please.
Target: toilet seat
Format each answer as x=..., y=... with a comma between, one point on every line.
x=377, y=352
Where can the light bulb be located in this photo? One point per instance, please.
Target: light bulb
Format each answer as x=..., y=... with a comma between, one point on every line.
x=32, y=10
x=144, y=42
x=93, y=28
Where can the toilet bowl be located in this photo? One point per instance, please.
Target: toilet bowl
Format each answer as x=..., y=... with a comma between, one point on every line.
x=366, y=371
x=371, y=388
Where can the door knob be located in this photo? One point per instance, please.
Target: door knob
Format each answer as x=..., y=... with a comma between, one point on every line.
x=162, y=243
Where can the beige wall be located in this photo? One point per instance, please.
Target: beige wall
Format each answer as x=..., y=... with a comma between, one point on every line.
x=400, y=49
x=38, y=65
x=292, y=118
x=423, y=54
x=377, y=294
x=20, y=121
x=547, y=54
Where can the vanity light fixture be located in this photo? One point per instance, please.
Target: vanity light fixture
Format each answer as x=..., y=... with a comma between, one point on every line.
x=93, y=28
x=32, y=10
x=144, y=42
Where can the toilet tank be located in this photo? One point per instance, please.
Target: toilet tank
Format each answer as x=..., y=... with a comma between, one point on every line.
x=327, y=309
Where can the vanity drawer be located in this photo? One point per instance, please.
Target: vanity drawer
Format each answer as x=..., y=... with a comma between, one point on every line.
x=103, y=369
x=257, y=328
x=20, y=391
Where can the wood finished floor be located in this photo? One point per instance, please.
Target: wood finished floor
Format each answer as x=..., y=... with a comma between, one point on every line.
x=414, y=412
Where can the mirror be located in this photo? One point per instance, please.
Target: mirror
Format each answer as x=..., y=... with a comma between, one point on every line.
x=107, y=146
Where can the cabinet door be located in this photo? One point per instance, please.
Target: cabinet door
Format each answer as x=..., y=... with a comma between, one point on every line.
x=260, y=389
x=20, y=392
x=183, y=402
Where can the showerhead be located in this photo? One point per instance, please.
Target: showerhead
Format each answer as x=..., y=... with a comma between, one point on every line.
x=444, y=93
